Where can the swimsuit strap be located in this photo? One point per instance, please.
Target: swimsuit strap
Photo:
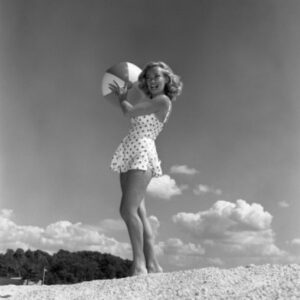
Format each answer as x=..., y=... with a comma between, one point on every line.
x=168, y=114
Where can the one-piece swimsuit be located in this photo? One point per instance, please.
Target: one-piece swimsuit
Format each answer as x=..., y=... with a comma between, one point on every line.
x=138, y=150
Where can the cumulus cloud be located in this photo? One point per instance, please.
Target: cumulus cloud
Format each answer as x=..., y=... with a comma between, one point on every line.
x=66, y=235
x=183, y=169
x=112, y=225
x=217, y=261
x=178, y=254
x=175, y=246
x=204, y=189
x=226, y=215
x=58, y=235
x=181, y=254
x=164, y=187
x=155, y=224
x=283, y=204
x=295, y=242
x=6, y=213
x=12, y=235
x=232, y=228
x=294, y=245
x=294, y=248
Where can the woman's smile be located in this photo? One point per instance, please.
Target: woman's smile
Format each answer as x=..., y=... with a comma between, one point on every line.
x=156, y=81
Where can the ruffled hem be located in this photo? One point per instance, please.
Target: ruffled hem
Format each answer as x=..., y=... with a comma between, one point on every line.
x=141, y=160
x=156, y=172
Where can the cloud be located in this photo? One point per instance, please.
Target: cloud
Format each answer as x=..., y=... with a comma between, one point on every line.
x=6, y=213
x=183, y=169
x=217, y=261
x=295, y=242
x=58, y=235
x=232, y=229
x=180, y=254
x=204, y=189
x=112, y=225
x=177, y=254
x=236, y=232
x=226, y=215
x=175, y=246
x=164, y=187
x=155, y=224
x=65, y=235
x=283, y=204
x=294, y=247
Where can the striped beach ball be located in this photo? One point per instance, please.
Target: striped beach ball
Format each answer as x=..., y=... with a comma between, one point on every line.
x=121, y=73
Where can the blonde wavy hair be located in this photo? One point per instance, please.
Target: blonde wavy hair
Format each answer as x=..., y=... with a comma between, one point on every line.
x=174, y=85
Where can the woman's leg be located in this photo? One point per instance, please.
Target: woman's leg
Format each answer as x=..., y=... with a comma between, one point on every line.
x=152, y=263
x=134, y=184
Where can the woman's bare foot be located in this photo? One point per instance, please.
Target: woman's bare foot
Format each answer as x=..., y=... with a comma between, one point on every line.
x=138, y=270
x=154, y=268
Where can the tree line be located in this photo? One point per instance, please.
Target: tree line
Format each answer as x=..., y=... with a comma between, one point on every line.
x=62, y=267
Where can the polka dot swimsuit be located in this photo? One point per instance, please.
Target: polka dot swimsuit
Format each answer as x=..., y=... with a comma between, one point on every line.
x=137, y=150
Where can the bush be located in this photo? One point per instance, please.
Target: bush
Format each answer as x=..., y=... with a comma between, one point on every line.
x=62, y=267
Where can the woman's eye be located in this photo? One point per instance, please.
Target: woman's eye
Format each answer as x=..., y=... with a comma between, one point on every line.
x=155, y=77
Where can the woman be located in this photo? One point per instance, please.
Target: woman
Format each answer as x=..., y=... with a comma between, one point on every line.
x=136, y=158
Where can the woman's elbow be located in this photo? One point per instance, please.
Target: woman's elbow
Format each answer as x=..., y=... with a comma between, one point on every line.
x=127, y=110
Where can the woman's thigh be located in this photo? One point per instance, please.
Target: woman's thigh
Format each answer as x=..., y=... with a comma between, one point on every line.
x=134, y=185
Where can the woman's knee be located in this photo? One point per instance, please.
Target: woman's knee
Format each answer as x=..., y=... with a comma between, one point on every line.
x=123, y=211
x=127, y=211
x=142, y=212
x=149, y=238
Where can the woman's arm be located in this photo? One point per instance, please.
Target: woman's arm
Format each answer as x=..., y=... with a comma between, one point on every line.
x=144, y=108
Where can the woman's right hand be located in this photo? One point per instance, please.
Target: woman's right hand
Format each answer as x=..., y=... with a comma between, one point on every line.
x=121, y=92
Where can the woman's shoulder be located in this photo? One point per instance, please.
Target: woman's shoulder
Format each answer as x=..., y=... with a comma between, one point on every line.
x=162, y=100
x=165, y=107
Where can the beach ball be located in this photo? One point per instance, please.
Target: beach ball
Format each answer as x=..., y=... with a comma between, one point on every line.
x=121, y=73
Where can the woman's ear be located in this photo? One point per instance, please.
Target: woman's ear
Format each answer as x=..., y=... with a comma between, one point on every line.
x=168, y=78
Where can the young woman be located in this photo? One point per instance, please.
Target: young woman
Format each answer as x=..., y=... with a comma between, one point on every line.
x=136, y=158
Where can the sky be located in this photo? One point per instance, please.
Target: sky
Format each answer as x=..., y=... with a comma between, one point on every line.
x=230, y=152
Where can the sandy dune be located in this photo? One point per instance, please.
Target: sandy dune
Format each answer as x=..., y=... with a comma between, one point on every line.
x=251, y=282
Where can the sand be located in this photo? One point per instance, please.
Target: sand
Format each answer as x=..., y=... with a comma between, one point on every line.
x=250, y=282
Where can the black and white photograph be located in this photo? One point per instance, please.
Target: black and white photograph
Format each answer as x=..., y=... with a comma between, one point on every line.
x=149, y=149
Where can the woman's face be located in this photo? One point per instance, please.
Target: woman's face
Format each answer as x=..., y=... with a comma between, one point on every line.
x=156, y=81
